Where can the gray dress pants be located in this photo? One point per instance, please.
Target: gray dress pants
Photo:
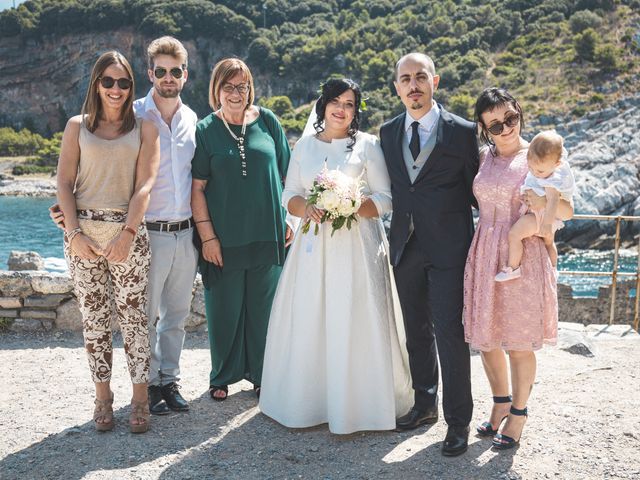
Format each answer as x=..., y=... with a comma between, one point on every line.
x=174, y=261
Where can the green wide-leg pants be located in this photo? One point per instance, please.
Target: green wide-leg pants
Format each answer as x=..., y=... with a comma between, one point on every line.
x=238, y=304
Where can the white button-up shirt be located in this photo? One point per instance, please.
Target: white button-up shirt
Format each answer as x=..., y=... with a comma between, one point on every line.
x=170, y=198
x=427, y=123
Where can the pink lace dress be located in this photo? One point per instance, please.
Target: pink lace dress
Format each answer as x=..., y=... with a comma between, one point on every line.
x=520, y=314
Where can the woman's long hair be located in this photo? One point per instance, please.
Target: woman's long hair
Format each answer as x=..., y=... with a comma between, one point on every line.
x=92, y=106
x=331, y=89
x=490, y=99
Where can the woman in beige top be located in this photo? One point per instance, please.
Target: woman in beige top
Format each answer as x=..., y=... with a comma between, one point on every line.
x=108, y=163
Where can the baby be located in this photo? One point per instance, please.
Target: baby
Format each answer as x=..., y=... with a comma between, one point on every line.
x=549, y=175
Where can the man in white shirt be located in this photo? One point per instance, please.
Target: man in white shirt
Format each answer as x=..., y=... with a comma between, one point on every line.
x=169, y=222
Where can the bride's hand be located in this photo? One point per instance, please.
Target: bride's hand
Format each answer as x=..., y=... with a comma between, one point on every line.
x=313, y=213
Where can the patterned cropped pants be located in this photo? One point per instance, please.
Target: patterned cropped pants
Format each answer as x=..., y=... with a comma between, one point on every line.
x=99, y=287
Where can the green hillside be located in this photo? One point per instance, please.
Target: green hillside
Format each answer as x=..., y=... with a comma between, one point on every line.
x=558, y=56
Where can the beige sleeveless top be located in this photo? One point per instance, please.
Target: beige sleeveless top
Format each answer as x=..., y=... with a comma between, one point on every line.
x=107, y=170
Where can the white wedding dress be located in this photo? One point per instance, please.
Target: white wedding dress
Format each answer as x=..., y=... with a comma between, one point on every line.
x=335, y=348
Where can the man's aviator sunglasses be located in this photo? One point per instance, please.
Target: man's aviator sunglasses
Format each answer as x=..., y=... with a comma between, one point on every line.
x=109, y=82
x=498, y=127
x=160, y=72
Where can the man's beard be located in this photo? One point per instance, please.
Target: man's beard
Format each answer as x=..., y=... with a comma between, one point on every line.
x=168, y=92
x=416, y=106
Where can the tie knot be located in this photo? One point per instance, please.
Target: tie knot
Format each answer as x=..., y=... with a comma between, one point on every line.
x=415, y=126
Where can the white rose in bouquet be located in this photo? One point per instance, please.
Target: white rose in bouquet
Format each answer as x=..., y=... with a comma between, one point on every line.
x=328, y=200
x=347, y=207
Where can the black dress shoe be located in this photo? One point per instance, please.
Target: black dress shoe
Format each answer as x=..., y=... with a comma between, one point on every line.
x=156, y=402
x=171, y=395
x=417, y=417
x=456, y=441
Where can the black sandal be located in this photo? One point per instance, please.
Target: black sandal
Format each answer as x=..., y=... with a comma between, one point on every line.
x=505, y=442
x=485, y=429
x=257, y=388
x=213, y=389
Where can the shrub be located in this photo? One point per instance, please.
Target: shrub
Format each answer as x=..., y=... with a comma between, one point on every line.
x=585, y=44
x=28, y=168
x=462, y=104
x=584, y=19
x=606, y=57
x=20, y=143
x=280, y=105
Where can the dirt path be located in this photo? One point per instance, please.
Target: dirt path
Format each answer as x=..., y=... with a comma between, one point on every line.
x=583, y=424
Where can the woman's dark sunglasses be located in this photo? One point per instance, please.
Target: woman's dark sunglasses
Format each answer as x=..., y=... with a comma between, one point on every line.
x=175, y=72
x=510, y=121
x=109, y=82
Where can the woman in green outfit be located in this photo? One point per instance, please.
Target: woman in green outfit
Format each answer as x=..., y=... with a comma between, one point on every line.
x=238, y=170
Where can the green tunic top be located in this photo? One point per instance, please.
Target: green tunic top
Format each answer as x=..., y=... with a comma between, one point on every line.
x=246, y=211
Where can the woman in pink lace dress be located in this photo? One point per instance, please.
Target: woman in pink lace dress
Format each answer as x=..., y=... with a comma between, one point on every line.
x=520, y=316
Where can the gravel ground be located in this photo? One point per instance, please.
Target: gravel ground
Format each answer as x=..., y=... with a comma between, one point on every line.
x=583, y=424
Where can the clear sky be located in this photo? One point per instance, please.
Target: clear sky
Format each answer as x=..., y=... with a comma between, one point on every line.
x=9, y=3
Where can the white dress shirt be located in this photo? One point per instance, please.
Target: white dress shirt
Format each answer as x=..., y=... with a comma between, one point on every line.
x=427, y=123
x=170, y=198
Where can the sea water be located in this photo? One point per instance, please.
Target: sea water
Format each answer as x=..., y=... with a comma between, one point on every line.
x=25, y=225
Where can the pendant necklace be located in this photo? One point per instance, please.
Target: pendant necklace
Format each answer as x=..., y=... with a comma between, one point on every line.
x=239, y=140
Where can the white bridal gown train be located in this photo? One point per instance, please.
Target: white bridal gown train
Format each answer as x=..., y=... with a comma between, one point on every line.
x=335, y=348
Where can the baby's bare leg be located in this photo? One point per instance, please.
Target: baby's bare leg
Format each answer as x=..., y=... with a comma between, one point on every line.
x=550, y=243
x=525, y=227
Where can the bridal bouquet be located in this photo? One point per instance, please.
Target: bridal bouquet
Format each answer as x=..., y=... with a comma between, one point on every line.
x=339, y=195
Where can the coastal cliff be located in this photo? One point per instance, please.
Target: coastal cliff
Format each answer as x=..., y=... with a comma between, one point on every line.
x=45, y=80
x=604, y=153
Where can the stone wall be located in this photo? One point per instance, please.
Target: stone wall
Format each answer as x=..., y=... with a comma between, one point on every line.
x=39, y=300
x=597, y=310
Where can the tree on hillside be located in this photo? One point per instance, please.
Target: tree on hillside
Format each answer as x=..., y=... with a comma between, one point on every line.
x=585, y=44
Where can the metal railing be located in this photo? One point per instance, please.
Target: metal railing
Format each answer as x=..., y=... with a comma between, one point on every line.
x=614, y=274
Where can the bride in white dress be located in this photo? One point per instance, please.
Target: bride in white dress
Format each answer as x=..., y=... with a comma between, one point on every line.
x=335, y=349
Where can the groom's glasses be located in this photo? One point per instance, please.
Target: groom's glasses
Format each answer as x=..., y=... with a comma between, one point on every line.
x=498, y=127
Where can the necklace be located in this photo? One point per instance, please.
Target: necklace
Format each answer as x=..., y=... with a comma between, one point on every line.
x=240, y=141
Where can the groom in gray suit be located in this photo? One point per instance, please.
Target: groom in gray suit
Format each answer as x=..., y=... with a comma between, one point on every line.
x=432, y=159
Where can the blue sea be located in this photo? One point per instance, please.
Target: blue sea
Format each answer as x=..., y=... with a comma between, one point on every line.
x=25, y=225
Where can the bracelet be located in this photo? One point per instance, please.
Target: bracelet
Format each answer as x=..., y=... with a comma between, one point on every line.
x=70, y=235
x=201, y=221
x=212, y=238
x=129, y=229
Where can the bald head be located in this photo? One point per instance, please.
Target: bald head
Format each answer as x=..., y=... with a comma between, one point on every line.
x=416, y=57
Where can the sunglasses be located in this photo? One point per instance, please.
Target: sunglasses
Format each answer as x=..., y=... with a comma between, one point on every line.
x=160, y=72
x=242, y=88
x=498, y=127
x=109, y=82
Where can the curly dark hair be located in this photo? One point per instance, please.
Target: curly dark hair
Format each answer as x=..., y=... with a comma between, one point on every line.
x=331, y=89
x=489, y=99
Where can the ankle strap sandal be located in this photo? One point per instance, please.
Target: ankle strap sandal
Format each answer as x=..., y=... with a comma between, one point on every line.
x=485, y=429
x=505, y=442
